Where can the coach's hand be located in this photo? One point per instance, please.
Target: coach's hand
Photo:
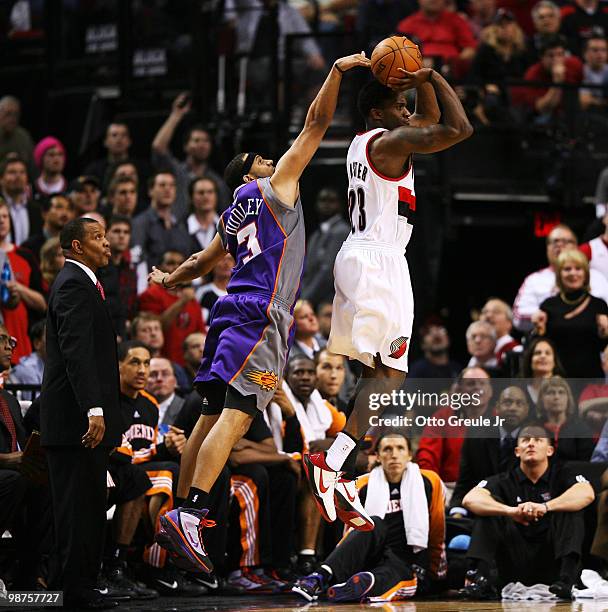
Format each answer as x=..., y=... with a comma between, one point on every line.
x=352, y=61
x=94, y=435
x=409, y=80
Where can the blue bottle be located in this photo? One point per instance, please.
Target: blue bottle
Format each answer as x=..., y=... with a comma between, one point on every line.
x=5, y=294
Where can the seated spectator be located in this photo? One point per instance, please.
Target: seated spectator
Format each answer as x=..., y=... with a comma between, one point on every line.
x=481, y=15
x=541, y=284
x=30, y=368
x=25, y=213
x=596, y=251
x=481, y=344
x=49, y=157
x=595, y=72
x=117, y=142
x=576, y=321
x=500, y=316
x=24, y=506
x=179, y=312
x=308, y=341
x=122, y=197
x=581, y=19
x=331, y=374
x=162, y=384
x=323, y=246
x=547, y=20
x=207, y=295
x=529, y=522
x=29, y=301
x=405, y=550
x=147, y=328
x=203, y=220
x=128, y=168
x=157, y=230
x=442, y=34
x=57, y=210
x=193, y=353
x=539, y=362
x=500, y=56
x=377, y=17
x=13, y=137
x=323, y=312
x=593, y=401
x=121, y=278
x=490, y=450
x=197, y=146
x=84, y=193
x=555, y=67
x=440, y=447
x=557, y=410
x=51, y=261
x=436, y=363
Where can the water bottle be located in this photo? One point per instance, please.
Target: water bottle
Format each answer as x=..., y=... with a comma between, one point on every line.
x=5, y=294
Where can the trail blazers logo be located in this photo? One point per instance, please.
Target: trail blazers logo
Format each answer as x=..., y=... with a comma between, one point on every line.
x=265, y=379
x=398, y=347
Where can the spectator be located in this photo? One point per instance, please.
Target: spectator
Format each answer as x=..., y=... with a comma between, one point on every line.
x=117, y=143
x=203, y=220
x=207, y=295
x=539, y=362
x=547, y=21
x=490, y=450
x=157, y=230
x=580, y=20
x=57, y=211
x=49, y=157
x=541, y=284
x=500, y=56
x=13, y=137
x=29, y=300
x=482, y=14
x=529, y=522
x=596, y=251
x=121, y=278
x=500, y=316
x=84, y=193
x=481, y=344
x=331, y=374
x=595, y=72
x=576, y=321
x=25, y=214
x=439, y=447
x=593, y=401
x=122, y=197
x=324, y=311
x=198, y=147
x=179, y=312
x=308, y=341
x=436, y=362
x=572, y=438
x=555, y=67
x=193, y=353
x=322, y=248
x=406, y=548
x=30, y=369
x=162, y=385
x=51, y=261
x=377, y=17
x=444, y=35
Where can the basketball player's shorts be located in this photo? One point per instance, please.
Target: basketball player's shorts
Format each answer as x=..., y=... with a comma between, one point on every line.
x=373, y=310
x=245, y=353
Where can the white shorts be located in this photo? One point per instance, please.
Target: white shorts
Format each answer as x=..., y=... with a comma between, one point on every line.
x=373, y=310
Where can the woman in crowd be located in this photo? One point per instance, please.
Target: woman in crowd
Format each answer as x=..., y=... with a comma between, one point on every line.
x=575, y=320
x=558, y=412
x=538, y=363
x=51, y=261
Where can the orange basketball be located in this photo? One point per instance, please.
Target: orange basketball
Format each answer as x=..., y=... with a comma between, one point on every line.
x=394, y=53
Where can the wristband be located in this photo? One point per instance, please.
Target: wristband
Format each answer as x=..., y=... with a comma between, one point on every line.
x=163, y=282
x=338, y=68
x=546, y=507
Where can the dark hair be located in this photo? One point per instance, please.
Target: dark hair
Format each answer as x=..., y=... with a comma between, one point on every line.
x=393, y=433
x=120, y=180
x=152, y=179
x=197, y=127
x=317, y=356
x=552, y=41
x=37, y=330
x=125, y=347
x=373, y=95
x=12, y=158
x=47, y=201
x=118, y=122
x=526, y=360
x=233, y=174
x=194, y=181
x=116, y=219
x=540, y=428
x=295, y=358
x=74, y=230
x=595, y=35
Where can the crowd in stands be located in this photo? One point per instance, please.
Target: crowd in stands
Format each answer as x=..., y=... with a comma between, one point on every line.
x=539, y=361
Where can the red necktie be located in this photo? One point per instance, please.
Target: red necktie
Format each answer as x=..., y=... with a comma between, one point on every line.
x=7, y=417
x=100, y=289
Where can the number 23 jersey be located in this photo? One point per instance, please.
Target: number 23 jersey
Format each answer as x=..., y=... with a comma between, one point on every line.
x=381, y=209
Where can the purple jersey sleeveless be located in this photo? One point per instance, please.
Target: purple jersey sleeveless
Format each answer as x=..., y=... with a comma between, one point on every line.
x=251, y=328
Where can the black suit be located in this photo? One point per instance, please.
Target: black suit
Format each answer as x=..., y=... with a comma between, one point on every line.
x=34, y=215
x=81, y=373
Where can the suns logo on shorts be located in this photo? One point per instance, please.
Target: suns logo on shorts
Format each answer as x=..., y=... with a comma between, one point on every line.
x=266, y=379
x=398, y=347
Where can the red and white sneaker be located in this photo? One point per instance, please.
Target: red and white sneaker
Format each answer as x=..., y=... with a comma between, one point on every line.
x=349, y=508
x=322, y=480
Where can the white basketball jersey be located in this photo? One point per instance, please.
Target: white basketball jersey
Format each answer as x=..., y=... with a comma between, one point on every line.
x=380, y=208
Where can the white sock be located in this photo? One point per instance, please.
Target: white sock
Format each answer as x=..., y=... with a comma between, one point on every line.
x=339, y=450
x=307, y=551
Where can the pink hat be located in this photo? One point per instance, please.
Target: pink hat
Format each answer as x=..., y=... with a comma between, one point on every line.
x=43, y=146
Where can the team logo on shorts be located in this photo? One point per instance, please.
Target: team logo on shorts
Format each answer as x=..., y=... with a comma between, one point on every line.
x=398, y=347
x=266, y=379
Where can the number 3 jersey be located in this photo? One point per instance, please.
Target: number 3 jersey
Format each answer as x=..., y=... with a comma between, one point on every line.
x=381, y=208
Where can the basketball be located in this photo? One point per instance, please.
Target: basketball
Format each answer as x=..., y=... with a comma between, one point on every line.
x=394, y=53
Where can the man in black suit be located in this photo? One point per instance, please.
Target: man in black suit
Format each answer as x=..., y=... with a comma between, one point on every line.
x=491, y=451
x=80, y=412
